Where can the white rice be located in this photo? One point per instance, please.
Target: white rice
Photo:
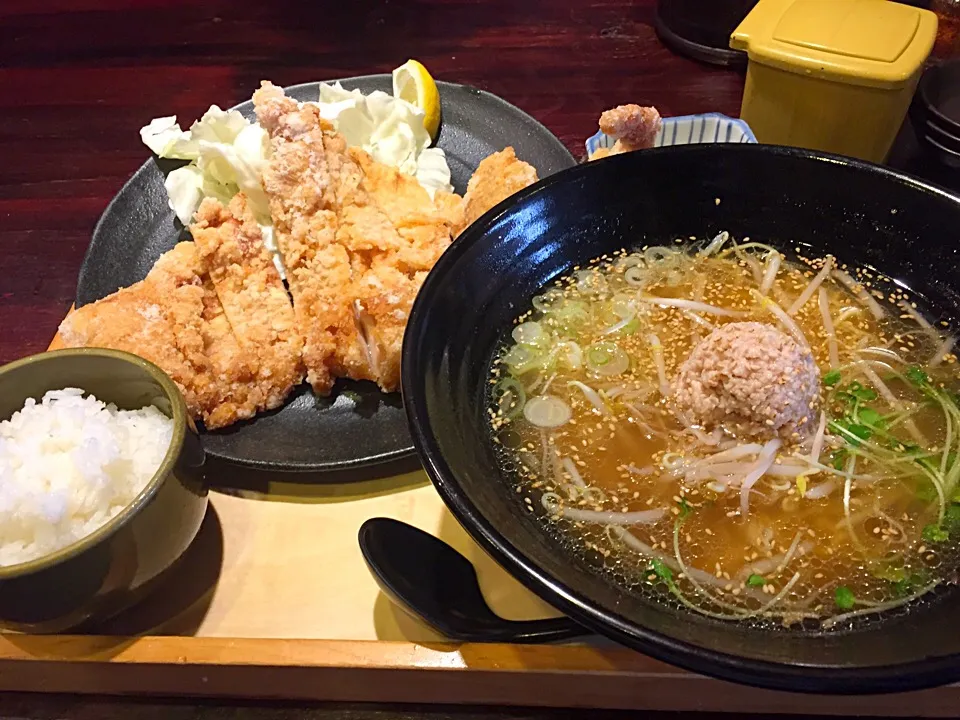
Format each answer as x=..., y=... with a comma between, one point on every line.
x=70, y=464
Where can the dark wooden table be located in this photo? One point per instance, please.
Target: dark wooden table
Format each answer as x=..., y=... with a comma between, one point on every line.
x=78, y=78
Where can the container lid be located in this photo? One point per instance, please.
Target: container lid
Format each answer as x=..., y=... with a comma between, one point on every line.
x=862, y=42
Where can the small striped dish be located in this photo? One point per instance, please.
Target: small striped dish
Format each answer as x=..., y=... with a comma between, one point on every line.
x=689, y=130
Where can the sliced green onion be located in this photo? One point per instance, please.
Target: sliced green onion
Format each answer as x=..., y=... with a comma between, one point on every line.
x=547, y=411
x=528, y=333
x=546, y=302
x=606, y=359
x=511, y=398
x=521, y=359
x=636, y=276
x=591, y=282
x=570, y=314
x=661, y=256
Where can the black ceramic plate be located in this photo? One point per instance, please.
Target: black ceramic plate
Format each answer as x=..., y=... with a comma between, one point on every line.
x=861, y=213
x=348, y=430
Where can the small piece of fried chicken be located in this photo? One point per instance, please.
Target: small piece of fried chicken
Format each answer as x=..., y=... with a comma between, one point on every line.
x=634, y=127
x=252, y=294
x=496, y=178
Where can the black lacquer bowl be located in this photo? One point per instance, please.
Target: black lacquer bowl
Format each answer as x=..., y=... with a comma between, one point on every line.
x=859, y=212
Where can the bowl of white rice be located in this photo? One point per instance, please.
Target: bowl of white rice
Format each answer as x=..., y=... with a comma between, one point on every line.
x=101, y=485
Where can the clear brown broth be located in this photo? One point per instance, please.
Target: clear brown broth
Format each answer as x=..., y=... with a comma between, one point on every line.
x=826, y=559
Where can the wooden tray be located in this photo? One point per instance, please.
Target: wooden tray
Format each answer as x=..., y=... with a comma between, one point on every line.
x=273, y=600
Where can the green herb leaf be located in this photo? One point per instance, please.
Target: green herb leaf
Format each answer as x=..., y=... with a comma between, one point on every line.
x=856, y=430
x=917, y=376
x=870, y=417
x=831, y=378
x=630, y=328
x=935, y=534
x=844, y=598
x=904, y=587
x=864, y=394
x=756, y=580
x=685, y=508
x=910, y=584
x=661, y=570
x=951, y=518
x=838, y=459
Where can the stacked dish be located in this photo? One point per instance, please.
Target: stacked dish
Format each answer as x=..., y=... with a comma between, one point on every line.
x=936, y=112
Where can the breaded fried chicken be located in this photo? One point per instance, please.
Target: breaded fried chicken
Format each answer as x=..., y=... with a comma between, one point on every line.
x=391, y=267
x=253, y=297
x=497, y=177
x=357, y=238
x=634, y=127
x=307, y=182
x=174, y=319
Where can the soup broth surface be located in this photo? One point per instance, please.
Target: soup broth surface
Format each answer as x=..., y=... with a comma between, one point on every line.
x=849, y=514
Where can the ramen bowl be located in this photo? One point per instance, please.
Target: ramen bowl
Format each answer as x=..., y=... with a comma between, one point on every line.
x=862, y=214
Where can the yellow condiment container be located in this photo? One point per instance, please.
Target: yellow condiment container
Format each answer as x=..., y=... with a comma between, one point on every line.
x=832, y=75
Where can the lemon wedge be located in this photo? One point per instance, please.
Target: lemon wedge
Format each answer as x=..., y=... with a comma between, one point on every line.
x=413, y=83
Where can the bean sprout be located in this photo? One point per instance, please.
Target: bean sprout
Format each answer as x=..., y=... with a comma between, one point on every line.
x=812, y=287
x=860, y=293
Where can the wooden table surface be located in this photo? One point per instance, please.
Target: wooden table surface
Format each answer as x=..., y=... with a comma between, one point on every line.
x=78, y=78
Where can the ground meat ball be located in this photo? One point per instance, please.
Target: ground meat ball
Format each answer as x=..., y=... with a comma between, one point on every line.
x=751, y=379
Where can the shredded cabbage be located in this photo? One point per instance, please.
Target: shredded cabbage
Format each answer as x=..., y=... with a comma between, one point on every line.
x=226, y=153
x=388, y=128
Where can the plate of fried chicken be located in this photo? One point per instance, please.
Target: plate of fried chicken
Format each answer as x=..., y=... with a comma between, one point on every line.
x=299, y=373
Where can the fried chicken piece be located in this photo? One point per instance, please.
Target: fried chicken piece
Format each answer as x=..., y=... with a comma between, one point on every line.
x=137, y=320
x=397, y=253
x=496, y=178
x=634, y=127
x=451, y=208
x=385, y=295
x=254, y=300
x=307, y=181
x=231, y=391
x=173, y=319
x=366, y=233
x=358, y=238
x=425, y=228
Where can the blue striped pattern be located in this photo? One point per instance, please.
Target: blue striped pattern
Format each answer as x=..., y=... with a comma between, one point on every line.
x=689, y=130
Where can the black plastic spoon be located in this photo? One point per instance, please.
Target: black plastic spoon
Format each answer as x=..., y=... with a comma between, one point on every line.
x=432, y=581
